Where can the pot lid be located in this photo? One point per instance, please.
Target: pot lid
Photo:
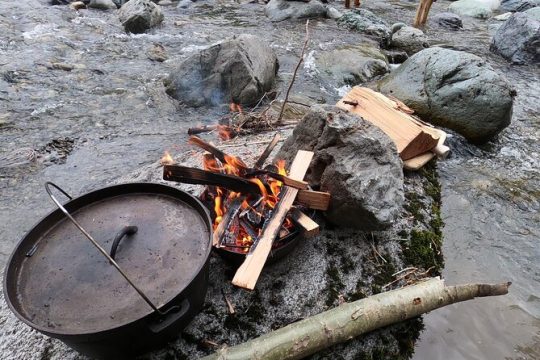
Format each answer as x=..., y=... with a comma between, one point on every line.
x=60, y=283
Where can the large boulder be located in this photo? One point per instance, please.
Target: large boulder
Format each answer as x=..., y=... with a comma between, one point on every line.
x=447, y=20
x=409, y=39
x=518, y=5
x=354, y=161
x=481, y=9
x=518, y=39
x=137, y=16
x=102, y=4
x=366, y=22
x=351, y=65
x=455, y=90
x=240, y=69
x=534, y=13
x=279, y=10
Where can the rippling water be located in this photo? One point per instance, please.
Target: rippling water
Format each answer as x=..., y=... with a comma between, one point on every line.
x=109, y=115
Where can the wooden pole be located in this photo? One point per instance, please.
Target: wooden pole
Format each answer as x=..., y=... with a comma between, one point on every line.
x=248, y=273
x=308, y=336
x=422, y=13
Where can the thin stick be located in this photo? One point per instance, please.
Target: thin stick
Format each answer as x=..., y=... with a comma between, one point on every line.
x=267, y=152
x=294, y=74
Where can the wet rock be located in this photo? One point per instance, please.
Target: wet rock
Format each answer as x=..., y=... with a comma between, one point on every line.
x=395, y=56
x=279, y=10
x=534, y=13
x=137, y=16
x=77, y=5
x=518, y=39
x=102, y=4
x=447, y=20
x=480, y=9
x=409, y=39
x=240, y=69
x=453, y=89
x=365, y=21
x=518, y=5
x=356, y=162
x=351, y=65
x=157, y=53
x=333, y=13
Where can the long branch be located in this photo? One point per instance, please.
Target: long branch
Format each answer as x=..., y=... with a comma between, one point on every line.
x=294, y=74
x=306, y=337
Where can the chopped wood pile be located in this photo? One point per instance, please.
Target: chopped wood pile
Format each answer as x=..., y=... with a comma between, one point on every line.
x=252, y=208
x=416, y=141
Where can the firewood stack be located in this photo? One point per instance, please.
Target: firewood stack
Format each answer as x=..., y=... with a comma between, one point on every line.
x=251, y=207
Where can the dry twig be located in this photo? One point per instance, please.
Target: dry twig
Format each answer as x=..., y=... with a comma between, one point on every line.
x=294, y=74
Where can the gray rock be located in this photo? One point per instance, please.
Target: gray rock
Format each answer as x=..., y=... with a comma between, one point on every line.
x=409, y=39
x=518, y=5
x=447, y=20
x=240, y=69
x=333, y=13
x=356, y=162
x=351, y=65
x=137, y=16
x=365, y=21
x=473, y=8
x=455, y=90
x=534, y=13
x=397, y=26
x=279, y=10
x=518, y=39
x=102, y=4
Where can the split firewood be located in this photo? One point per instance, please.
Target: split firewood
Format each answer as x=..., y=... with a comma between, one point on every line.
x=308, y=336
x=316, y=200
x=287, y=180
x=411, y=137
x=311, y=228
x=248, y=273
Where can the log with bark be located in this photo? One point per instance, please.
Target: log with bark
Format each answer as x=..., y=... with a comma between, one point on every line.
x=308, y=336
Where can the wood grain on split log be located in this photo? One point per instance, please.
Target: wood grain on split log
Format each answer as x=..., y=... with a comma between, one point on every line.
x=316, y=200
x=286, y=180
x=308, y=336
x=310, y=227
x=247, y=274
x=411, y=137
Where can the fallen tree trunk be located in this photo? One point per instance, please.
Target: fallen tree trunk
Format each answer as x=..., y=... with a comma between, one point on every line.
x=306, y=337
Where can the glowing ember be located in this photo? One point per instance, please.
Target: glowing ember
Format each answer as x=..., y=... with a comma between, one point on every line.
x=253, y=209
x=166, y=159
x=225, y=132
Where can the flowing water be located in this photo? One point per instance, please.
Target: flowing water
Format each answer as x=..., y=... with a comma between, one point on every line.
x=109, y=115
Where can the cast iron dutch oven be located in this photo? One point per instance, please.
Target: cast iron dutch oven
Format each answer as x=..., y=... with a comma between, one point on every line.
x=115, y=272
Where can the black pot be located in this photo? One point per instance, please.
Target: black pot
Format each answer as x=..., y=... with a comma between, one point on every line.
x=57, y=282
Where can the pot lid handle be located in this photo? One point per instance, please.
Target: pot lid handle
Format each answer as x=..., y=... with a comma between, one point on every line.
x=48, y=185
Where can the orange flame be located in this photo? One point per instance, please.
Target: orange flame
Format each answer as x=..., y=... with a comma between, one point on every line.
x=166, y=159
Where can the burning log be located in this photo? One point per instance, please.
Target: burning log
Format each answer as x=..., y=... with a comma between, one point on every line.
x=300, y=185
x=306, y=337
x=226, y=220
x=316, y=200
x=196, y=176
x=220, y=155
x=201, y=129
x=248, y=273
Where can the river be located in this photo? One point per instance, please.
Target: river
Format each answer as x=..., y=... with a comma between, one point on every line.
x=109, y=115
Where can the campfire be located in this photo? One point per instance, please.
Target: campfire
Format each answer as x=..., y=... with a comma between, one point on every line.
x=254, y=208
